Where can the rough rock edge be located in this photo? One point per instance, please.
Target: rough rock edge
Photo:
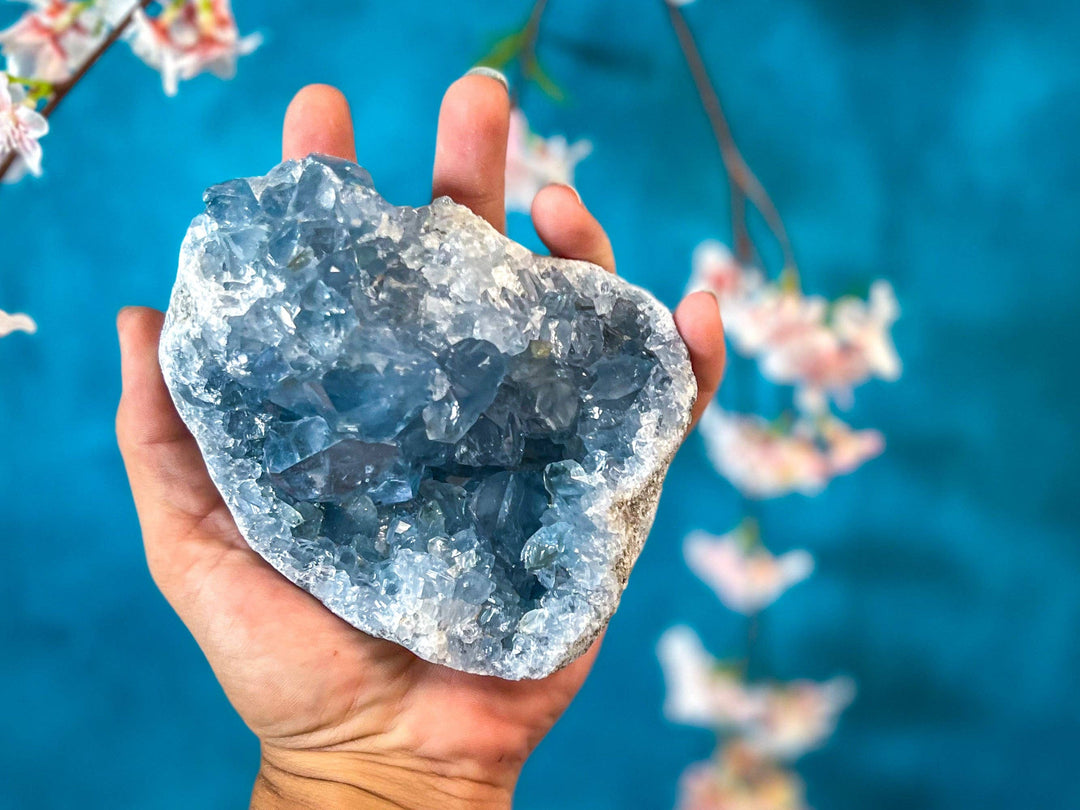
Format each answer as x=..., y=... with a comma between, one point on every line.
x=634, y=515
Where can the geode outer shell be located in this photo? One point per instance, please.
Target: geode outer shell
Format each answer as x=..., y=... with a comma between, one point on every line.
x=451, y=442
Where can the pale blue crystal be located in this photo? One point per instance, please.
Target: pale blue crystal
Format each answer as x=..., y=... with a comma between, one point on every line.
x=452, y=443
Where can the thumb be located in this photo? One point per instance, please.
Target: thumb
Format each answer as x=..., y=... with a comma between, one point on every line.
x=172, y=489
x=146, y=417
x=698, y=321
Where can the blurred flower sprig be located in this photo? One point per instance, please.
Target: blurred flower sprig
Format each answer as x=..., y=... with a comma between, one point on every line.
x=776, y=721
x=761, y=726
x=52, y=46
x=823, y=350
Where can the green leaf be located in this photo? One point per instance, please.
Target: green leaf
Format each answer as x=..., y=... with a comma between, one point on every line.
x=783, y=423
x=504, y=51
x=789, y=280
x=749, y=534
x=731, y=667
x=537, y=74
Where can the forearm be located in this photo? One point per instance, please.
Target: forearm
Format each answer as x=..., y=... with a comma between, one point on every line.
x=330, y=781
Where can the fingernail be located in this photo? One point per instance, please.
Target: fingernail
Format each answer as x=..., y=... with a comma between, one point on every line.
x=574, y=190
x=491, y=73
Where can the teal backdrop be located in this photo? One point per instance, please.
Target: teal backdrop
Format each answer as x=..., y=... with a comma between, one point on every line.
x=930, y=143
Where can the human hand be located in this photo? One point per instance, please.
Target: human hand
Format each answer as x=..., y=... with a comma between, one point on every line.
x=345, y=719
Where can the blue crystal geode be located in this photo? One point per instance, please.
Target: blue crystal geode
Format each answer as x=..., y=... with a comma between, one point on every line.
x=451, y=442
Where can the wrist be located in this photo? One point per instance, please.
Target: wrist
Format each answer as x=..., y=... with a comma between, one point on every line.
x=331, y=780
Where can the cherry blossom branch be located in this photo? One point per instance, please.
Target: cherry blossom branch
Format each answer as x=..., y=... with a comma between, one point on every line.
x=745, y=184
x=62, y=89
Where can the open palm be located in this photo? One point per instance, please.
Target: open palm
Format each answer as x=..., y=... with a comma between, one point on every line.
x=346, y=719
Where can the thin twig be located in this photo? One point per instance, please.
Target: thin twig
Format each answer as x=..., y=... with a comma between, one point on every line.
x=529, y=35
x=62, y=90
x=740, y=233
x=532, y=31
x=739, y=173
x=753, y=644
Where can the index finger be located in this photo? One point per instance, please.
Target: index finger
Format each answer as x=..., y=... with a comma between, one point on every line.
x=318, y=120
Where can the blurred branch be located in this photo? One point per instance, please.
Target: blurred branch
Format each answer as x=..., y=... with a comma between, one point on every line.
x=740, y=233
x=744, y=183
x=521, y=46
x=66, y=87
x=531, y=34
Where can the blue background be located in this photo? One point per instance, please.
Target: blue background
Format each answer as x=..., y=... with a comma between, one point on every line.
x=931, y=143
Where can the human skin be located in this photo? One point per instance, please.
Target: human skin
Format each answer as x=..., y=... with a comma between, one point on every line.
x=346, y=720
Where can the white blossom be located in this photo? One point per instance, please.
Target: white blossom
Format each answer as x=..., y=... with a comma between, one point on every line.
x=743, y=573
x=533, y=162
x=739, y=779
x=699, y=691
x=21, y=128
x=768, y=460
x=188, y=38
x=798, y=717
x=54, y=37
x=825, y=349
x=760, y=461
x=774, y=720
x=848, y=449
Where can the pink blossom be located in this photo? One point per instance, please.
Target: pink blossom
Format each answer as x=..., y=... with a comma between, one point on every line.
x=831, y=357
x=768, y=460
x=16, y=322
x=743, y=573
x=533, y=162
x=867, y=325
x=189, y=37
x=848, y=449
x=739, y=779
x=21, y=127
x=52, y=39
x=823, y=349
x=774, y=721
x=772, y=319
x=699, y=691
x=798, y=717
x=757, y=314
x=761, y=460
x=716, y=269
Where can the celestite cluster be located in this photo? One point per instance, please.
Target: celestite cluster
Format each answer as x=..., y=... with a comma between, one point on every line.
x=451, y=442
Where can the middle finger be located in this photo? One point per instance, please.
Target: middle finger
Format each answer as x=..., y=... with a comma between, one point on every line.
x=470, y=147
